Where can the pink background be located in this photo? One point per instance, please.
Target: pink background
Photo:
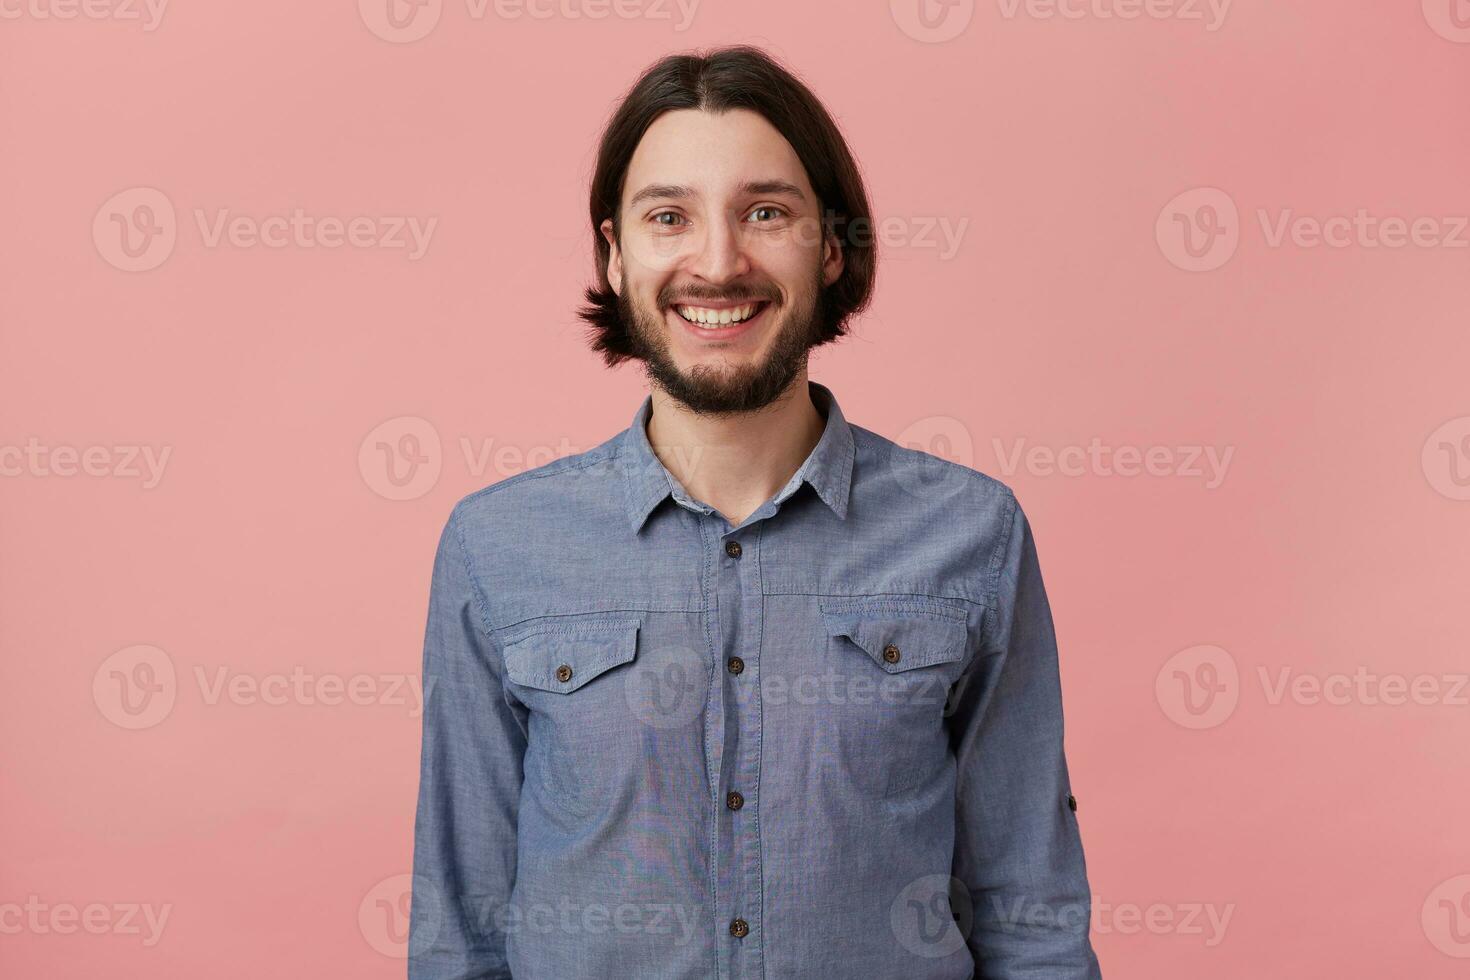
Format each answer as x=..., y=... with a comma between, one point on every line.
x=275, y=829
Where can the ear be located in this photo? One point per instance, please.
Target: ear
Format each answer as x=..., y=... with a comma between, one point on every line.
x=832, y=258
x=614, y=257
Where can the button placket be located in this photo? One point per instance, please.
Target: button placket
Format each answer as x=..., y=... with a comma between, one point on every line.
x=737, y=861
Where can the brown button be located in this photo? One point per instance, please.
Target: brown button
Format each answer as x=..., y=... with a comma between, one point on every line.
x=1071, y=802
x=890, y=654
x=739, y=928
x=734, y=800
x=735, y=665
x=732, y=548
x=563, y=673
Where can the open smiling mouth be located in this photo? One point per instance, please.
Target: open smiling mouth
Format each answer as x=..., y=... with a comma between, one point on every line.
x=713, y=319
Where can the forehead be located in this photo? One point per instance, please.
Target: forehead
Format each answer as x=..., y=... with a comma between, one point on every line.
x=712, y=154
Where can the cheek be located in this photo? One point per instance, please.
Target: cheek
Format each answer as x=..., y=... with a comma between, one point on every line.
x=653, y=254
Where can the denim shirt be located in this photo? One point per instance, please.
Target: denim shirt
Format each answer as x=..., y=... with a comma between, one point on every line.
x=825, y=742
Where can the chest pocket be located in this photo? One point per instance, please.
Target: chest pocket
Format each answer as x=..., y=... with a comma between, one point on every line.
x=897, y=658
x=898, y=635
x=562, y=658
x=572, y=676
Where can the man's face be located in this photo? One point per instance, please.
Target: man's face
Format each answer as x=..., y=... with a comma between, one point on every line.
x=718, y=219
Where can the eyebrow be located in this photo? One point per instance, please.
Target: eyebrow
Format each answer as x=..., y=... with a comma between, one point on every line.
x=655, y=192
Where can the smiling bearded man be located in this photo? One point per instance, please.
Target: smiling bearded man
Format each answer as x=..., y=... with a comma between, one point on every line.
x=747, y=690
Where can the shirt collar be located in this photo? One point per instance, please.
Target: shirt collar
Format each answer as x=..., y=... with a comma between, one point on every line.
x=828, y=468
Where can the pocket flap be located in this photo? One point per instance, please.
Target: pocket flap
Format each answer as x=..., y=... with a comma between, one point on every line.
x=899, y=637
x=563, y=657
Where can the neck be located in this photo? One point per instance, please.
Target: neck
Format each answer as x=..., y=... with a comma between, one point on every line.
x=736, y=462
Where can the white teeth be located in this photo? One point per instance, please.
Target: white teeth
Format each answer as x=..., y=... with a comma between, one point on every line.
x=717, y=318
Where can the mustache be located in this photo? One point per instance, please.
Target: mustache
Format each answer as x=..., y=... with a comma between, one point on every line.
x=712, y=297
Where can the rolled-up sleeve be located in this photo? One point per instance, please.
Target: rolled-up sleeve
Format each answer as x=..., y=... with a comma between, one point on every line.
x=1018, y=851
x=464, y=860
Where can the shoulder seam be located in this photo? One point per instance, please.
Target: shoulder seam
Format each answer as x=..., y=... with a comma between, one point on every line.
x=1002, y=547
x=482, y=604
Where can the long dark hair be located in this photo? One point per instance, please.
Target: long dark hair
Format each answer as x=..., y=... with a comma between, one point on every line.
x=739, y=77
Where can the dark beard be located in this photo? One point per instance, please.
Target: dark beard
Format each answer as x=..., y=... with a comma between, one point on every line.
x=724, y=391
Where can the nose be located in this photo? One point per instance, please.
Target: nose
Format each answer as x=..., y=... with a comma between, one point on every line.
x=720, y=255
